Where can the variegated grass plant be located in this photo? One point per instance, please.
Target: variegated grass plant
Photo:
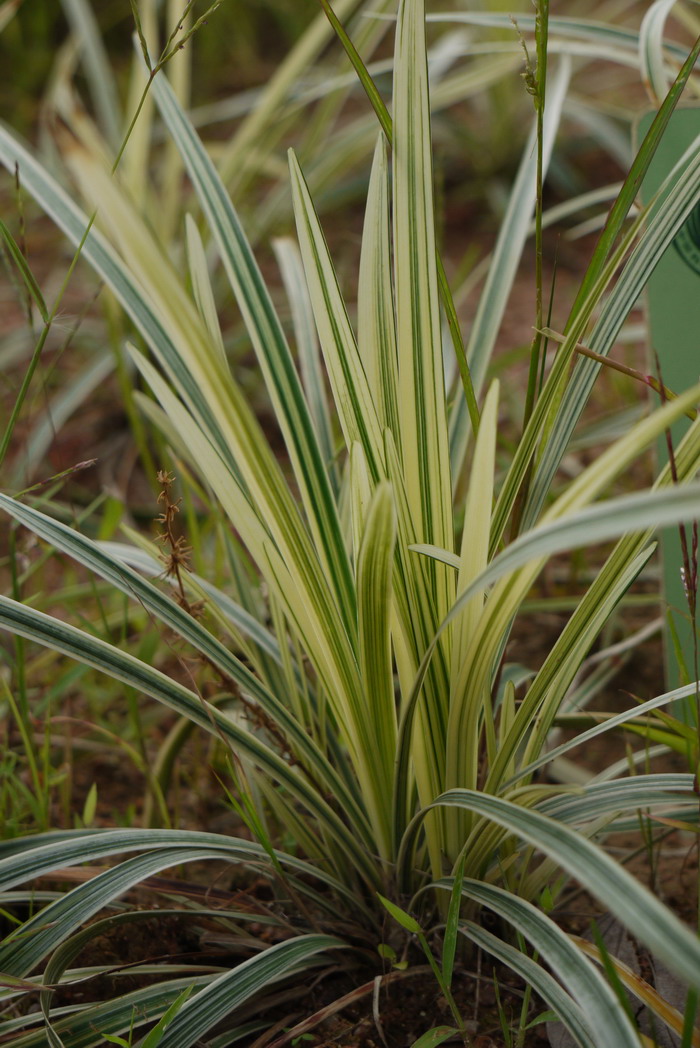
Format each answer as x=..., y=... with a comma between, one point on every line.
x=367, y=709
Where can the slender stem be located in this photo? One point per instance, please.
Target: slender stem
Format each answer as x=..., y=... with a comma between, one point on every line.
x=132, y=123
x=615, y=365
x=24, y=388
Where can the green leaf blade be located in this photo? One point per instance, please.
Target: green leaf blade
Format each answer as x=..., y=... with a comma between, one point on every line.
x=421, y=378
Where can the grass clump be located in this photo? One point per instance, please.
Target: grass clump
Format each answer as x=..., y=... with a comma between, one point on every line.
x=351, y=662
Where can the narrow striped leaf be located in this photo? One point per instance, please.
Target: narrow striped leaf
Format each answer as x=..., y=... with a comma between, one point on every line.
x=376, y=322
x=601, y=1014
x=630, y=188
x=596, y=523
x=23, y=859
x=359, y=497
x=21, y=951
x=664, y=218
x=356, y=409
x=423, y=754
x=651, y=49
x=61, y=208
x=44, y=629
x=638, y=791
x=222, y=996
x=604, y=33
x=176, y=618
x=540, y=705
x=386, y=125
x=374, y=593
x=635, y=906
x=270, y=346
x=421, y=379
x=606, y=519
x=544, y=985
x=295, y=575
x=174, y=331
x=56, y=972
x=607, y=725
x=201, y=284
x=86, y=1027
x=463, y=741
x=310, y=365
x=610, y=519
x=550, y=395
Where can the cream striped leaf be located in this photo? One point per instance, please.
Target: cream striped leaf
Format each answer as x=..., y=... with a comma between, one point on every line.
x=374, y=574
x=91, y=651
x=271, y=349
x=422, y=408
x=356, y=409
x=376, y=322
x=634, y=905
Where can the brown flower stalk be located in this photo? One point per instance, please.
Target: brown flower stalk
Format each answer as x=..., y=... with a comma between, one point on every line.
x=178, y=552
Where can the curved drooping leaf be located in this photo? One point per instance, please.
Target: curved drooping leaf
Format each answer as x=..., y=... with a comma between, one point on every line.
x=270, y=346
x=600, y=1011
x=23, y=949
x=607, y=725
x=641, y=912
x=545, y=695
x=98, y=560
x=595, y=523
x=598, y=799
x=85, y=1028
x=564, y=1005
x=651, y=48
x=603, y=33
x=92, y=651
x=25, y=858
x=664, y=217
x=220, y=997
